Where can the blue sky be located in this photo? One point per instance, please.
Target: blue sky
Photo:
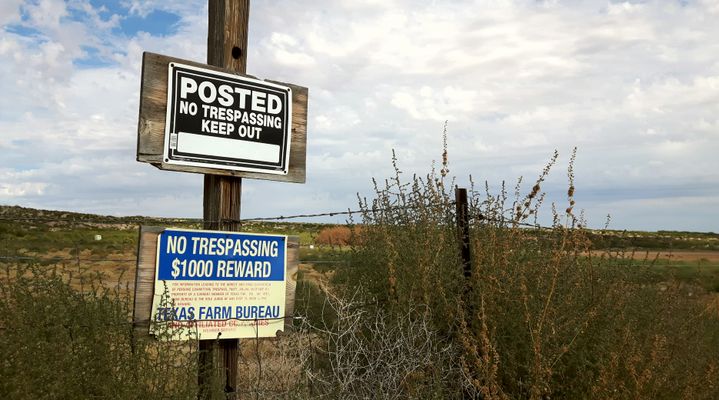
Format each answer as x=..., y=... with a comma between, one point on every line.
x=633, y=85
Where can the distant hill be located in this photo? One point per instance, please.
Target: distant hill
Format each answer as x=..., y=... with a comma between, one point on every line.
x=14, y=220
x=17, y=213
x=615, y=239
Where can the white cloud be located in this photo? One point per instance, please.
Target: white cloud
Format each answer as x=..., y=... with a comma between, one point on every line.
x=634, y=85
x=22, y=189
x=46, y=13
x=450, y=102
x=142, y=7
x=285, y=50
x=711, y=6
x=9, y=12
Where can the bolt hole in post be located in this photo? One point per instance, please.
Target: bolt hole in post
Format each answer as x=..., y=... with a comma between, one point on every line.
x=236, y=52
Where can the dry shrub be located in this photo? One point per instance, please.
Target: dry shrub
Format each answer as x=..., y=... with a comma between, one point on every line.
x=367, y=352
x=539, y=317
x=274, y=368
x=337, y=235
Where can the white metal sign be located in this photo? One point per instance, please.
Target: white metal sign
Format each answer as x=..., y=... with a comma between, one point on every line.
x=226, y=121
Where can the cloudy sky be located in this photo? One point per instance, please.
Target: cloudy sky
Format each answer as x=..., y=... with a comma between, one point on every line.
x=633, y=85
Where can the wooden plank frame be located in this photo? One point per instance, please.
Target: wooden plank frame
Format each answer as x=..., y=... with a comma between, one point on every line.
x=145, y=278
x=153, y=112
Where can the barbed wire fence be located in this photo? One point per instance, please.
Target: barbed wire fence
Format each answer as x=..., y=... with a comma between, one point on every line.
x=126, y=223
x=135, y=223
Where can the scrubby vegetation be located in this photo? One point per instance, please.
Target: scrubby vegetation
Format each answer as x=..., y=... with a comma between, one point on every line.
x=541, y=316
x=388, y=309
x=59, y=340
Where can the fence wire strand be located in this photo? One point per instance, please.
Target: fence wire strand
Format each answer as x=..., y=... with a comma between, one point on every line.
x=149, y=219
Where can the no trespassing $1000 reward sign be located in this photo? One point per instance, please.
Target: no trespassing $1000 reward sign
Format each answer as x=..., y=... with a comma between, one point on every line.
x=219, y=282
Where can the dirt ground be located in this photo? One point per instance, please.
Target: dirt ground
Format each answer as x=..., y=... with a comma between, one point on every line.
x=674, y=255
x=312, y=275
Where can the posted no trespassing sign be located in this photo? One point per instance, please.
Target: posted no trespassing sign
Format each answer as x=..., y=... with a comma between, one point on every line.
x=225, y=121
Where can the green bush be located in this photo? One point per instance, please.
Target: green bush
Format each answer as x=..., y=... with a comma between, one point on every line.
x=70, y=337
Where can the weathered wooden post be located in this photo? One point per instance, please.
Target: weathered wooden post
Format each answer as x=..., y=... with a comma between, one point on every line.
x=227, y=36
x=462, y=215
x=462, y=209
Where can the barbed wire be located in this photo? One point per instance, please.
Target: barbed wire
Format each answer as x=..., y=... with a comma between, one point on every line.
x=143, y=220
x=66, y=259
x=73, y=259
x=190, y=323
x=124, y=221
x=134, y=220
x=321, y=262
x=184, y=323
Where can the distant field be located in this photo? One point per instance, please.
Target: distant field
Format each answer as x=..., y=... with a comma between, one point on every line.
x=661, y=240
x=68, y=240
x=680, y=257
